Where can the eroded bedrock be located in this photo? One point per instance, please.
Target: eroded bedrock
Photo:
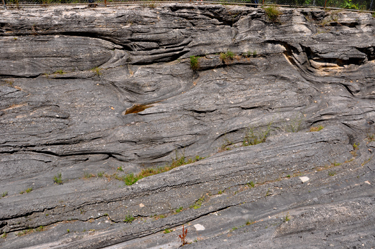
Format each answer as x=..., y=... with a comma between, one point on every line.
x=90, y=97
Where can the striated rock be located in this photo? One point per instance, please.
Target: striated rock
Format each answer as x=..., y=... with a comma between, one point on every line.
x=90, y=95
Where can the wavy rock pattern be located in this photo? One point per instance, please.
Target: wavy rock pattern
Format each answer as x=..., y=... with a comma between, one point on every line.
x=88, y=92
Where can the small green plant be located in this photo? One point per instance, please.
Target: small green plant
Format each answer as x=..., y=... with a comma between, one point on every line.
x=96, y=70
x=268, y=193
x=252, y=138
x=130, y=179
x=4, y=236
x=286, y=218
x=5, y=193
x=255, y=53
x=88, y=175
x=223, y=56
x=179, y=209
x=129, y=218
x=230, y=55
x=347, y=4
x=319, y=128
x=26, y=191
x=249, y=223
x=67, y=230
x=59, y=72
x=198, y=203
x=288, y=176
x=40, y=229
x=15, y=38
x=331, y=173
x=373, y=15
x=220, y=192
x=194, y=62
x=120, y=168
x=25, y=232
x=58, y=179
x=273, y=13
x=234, y=228
x=335, y=164
x=100, y=174
x=167, y=231
x=251, y=184
x=295, y=124
x=47, y=214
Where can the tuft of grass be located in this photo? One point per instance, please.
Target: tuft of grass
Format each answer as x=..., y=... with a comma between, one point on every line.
x=4, y=236
x=198, y=203
x=130, y=179
x=251, y=184
x=129, y=218
x=252, y=138
x=273, y=13
x=220, y=192
x=58, y=179
x=100, y=174
x=230, y=55
x=255, y=53
x=179, y=209
x=167, y=231
x=25, y=232
x=331, y=173
x=286, y=218
x=223, y=56
x=87, y=175
x=194, y=62
x=319, y=128
x=67, y=230
x=268, y=193
x=234, y=229
x=5, y=194
x=59, y=72
x=120, y=168
x=29, y=190
x=40, y=229
x=249, y=223
x=295, y=124
x=96, y=70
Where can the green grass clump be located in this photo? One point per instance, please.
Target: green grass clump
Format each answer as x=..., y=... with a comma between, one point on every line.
x=251, y=184
x=319, y=128
x=96, y=70
x=198, y=203
x=273, y=13
x=129, y=218
x=100, y=174
x=5, y=193
x=59, y=72
x=58, y=179
x=130, y=179
x=230, y=55
x=194, y=62
x=179, y=209
x=167, y=231
x=254, y=138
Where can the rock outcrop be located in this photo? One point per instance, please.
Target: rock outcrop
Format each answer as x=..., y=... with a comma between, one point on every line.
x=90, y=95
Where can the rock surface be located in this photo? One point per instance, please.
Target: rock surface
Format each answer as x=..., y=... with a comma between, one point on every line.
x=95, y=94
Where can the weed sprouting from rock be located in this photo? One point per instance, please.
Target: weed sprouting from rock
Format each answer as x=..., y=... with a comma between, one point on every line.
x=254, y=138
x=272, y=13
x=194, y=62
x=58, y=179
x=129, y=218
x=130, y=179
